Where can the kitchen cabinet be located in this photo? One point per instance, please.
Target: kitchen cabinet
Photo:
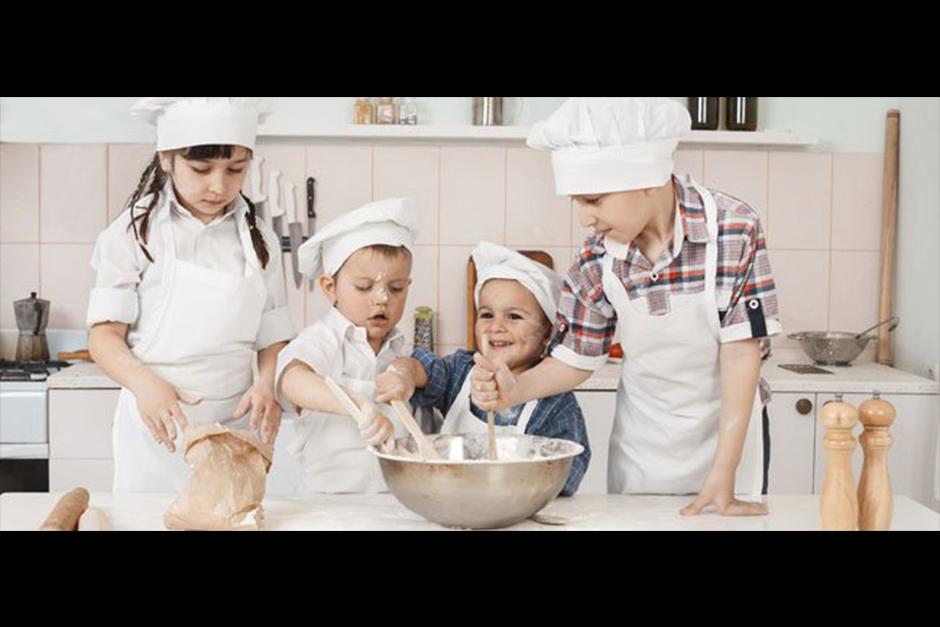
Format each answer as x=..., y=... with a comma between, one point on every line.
x=598, y=408
x=798, y=459
x=912, y=456
x=792, y=443
x=80, y=448
x=82, y=402
x=81, y=451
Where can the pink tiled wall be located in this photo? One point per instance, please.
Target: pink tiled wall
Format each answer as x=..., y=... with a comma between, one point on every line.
x=821, y=215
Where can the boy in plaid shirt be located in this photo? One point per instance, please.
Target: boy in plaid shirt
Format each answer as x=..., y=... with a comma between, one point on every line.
x=684, y=271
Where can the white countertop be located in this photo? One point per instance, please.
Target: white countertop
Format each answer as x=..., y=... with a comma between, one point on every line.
x=861, y=377
x=25, y=511
x=81, y=375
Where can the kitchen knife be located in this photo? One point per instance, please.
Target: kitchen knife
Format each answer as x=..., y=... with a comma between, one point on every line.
x=295, y=230
x=311, y=215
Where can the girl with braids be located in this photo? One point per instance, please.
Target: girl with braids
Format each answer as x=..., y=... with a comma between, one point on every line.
x=189, y=293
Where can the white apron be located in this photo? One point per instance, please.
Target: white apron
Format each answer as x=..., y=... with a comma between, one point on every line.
x=665, y=432
x=203, y=343
x=459, y=418
x=334, y=454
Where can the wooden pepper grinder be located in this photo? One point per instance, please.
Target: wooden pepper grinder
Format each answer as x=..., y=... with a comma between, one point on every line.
x=838, y=506
x=876, y=505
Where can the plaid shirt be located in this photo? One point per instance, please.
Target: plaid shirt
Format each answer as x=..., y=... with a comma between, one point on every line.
x=747, y=299
x=556, y=416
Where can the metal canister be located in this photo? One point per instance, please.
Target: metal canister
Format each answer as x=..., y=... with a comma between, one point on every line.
x=488, y=111
x=424, y=328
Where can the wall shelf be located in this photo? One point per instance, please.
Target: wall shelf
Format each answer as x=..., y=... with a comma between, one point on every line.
x=519, y=133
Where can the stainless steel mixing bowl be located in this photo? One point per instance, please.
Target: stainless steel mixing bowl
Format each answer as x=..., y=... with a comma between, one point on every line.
x=465, y=489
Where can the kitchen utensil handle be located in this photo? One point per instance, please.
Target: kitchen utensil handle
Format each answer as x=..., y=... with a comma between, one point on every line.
x=290, y=202
x=311, y=197
x=894, y=320
x=404, y=415
x=38, y=309
x=889, y=203
x=344, y=400
x=82, y=354
x=255, y=170
x=490, y=416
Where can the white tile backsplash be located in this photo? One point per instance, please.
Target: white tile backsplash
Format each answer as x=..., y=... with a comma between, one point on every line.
x=799, y=197
x=73, y=193
x=473, y=195
x=821, y=212
x=535, y=214
x=19, y=193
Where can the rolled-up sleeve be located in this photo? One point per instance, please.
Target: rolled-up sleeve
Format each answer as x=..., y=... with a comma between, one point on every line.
x=276, y=325
x=753, y=310
x=316, y=347
x=118, y=264
x=586, y=321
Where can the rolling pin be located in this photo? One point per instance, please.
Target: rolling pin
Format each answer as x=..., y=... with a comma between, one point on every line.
x=64, y=516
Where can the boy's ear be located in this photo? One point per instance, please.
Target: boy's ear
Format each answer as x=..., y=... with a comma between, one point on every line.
x=328, y=285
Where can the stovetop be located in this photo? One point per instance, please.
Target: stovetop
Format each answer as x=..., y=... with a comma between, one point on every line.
x=29, y=370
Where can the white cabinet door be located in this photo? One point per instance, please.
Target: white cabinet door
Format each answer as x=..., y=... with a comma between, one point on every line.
x=792, y=436
x=97, y=475
x=80, y=423
x=912, y=457
x=598, y=408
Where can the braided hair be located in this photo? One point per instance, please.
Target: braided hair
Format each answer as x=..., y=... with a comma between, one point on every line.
x=152, y=181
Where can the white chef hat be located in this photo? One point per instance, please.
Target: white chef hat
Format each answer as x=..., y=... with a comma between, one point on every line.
x=392, y=222
x=183, y=122
x=498, y=262
x=602, y=145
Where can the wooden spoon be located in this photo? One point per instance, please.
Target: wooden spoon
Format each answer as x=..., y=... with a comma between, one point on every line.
x=425, y=450
x=490, y=416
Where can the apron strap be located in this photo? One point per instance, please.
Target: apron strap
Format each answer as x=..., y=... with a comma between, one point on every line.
x=526, y=415
x=711, y=248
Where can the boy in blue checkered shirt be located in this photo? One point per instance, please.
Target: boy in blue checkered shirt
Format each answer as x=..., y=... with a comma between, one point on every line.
x=516, y=299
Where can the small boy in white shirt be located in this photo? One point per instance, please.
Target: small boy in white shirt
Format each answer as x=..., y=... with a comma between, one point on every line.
x=363, y=264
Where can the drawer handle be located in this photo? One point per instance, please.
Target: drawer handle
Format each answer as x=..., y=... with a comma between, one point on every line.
x=804, y=406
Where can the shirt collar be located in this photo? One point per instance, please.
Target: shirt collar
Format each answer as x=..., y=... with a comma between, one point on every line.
x=689, y=223
x=237, y=208
x=347, y=329
x=691, y=210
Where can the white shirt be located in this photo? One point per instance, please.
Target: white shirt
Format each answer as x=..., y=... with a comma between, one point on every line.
x=129, y=288
x=335, y=347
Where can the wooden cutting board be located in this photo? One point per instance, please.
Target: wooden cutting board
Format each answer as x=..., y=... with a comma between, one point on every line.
x=538, y=255
x=82, y=354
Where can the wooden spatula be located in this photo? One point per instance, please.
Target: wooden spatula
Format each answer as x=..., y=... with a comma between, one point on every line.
x=354, y=411
x=425, y=449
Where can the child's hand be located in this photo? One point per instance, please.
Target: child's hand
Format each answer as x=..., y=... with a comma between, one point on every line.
x=718, y=490
x=158, y=405
x=395, y=384
x=375, y=427
x=265, y=411
x=491, y=384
